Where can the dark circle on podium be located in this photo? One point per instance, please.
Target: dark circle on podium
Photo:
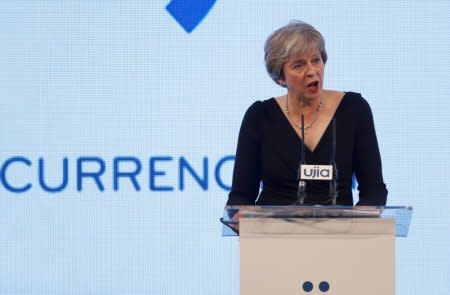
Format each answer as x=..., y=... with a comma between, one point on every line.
x=307, y=286
x=324, y=286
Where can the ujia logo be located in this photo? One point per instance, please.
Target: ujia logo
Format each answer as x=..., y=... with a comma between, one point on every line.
x=189, y=14
x=316, y=172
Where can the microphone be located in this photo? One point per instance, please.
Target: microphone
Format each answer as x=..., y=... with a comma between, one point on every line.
x=301, y=190
x=316, y=171
x=334, y=182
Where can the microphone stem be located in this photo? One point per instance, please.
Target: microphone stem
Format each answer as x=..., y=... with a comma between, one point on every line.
x=301, y=190
x=334, y=182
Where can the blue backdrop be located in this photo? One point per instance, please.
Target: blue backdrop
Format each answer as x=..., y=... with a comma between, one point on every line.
x=119, y=123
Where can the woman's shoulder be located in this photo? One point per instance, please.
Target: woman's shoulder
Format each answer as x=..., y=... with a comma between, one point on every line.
x=348, y=99
x=355, y=105
x=264, y=103
x=257, y=116
x=261, y=107
x=348, y=103
x=355, y=98
x=342, y=95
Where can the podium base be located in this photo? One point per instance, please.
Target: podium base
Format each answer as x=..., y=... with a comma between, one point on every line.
x=317, y=256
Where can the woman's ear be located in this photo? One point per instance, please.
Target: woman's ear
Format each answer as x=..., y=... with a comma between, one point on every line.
x=282, y=83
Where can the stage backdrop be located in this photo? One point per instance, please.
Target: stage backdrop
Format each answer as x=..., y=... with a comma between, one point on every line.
x=119, y=122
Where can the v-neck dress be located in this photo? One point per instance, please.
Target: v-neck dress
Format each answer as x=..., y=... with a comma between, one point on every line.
x=269, y=152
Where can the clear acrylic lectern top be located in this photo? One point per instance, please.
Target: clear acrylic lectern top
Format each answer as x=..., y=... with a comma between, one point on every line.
x=401, y=215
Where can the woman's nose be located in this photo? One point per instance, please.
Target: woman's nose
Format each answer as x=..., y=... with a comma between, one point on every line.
x=310, y=71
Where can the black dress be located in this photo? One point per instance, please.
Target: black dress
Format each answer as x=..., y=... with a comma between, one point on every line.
x=269, y=152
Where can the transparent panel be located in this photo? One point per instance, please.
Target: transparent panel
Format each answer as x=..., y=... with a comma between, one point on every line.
x=230, y=219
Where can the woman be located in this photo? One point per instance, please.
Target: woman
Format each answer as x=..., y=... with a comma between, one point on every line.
x=270, y=139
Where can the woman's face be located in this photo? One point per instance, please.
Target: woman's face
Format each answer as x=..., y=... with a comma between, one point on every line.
x=303, y=75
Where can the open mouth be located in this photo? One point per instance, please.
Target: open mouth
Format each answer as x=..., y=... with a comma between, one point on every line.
x=313, y=84
x=313, y=87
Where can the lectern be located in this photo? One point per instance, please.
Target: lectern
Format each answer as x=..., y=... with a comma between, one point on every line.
x=317, y=250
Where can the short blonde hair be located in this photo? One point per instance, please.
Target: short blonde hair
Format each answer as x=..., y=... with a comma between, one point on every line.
x=290, y=40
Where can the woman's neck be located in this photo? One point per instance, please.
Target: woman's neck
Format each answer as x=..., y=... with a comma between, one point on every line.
x=297, y=105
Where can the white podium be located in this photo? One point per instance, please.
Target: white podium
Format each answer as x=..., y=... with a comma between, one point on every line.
x=317, y=250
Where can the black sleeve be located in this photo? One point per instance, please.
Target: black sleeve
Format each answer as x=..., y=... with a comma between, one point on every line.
x=367, y=160
x=247, y=167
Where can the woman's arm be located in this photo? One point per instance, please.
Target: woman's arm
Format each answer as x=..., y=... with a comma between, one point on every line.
x=367, y=160
x=247, y=168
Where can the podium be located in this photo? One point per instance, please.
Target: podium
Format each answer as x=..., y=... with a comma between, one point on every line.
x=316, y=250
